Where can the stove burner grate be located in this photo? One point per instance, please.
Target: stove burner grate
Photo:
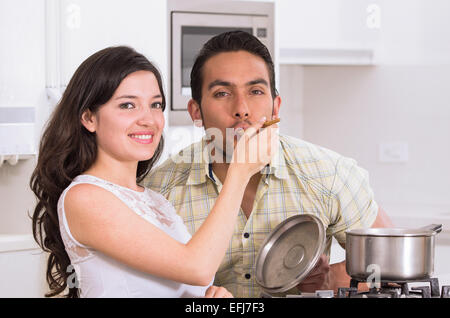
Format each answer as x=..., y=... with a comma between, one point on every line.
x=396, y=289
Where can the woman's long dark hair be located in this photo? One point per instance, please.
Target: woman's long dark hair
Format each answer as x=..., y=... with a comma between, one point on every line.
x=67, y=149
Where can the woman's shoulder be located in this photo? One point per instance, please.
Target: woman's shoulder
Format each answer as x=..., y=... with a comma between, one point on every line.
x=84, y=193
x=88, y=207
x=83, y=199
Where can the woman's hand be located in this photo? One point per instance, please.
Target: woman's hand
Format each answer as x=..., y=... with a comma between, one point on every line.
x=255, y=148
x=217, y=292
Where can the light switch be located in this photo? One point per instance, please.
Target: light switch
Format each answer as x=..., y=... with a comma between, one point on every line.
x=393, y=152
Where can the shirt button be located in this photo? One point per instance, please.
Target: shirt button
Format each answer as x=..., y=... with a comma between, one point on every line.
x=248, y=276
x=246, y=235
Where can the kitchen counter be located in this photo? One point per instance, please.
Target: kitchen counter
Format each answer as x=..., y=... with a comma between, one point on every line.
x=22, y=266
x=17, y=242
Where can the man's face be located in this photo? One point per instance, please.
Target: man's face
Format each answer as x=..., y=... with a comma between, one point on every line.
x=235, y=93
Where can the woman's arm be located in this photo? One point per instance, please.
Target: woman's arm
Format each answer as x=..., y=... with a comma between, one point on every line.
x=98, y=219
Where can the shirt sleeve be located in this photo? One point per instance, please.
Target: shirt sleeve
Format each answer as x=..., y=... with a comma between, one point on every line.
x=352, y=204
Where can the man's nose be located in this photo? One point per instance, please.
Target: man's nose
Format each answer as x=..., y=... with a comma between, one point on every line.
x=241, y=109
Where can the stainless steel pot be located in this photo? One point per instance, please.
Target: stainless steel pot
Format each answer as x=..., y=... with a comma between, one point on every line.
x=393, y=254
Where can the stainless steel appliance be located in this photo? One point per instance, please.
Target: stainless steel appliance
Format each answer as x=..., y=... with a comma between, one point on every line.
x=192, y=23
x=397, y=254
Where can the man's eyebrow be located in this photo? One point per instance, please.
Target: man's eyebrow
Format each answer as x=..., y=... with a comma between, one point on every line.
x=258, y=81
x=218, y=83
x=225, y=83
x=134, y=97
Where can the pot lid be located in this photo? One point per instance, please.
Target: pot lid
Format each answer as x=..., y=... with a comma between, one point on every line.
x=290, y=252
x=400, y=232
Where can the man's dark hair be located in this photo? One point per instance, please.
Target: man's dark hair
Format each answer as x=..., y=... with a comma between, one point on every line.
x=232, y=41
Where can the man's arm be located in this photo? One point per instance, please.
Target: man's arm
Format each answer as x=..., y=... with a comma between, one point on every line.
x=338, y=274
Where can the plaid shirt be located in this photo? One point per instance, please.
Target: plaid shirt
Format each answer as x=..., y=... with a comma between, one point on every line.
x=302, y=179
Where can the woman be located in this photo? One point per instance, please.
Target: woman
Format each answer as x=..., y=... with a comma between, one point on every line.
x=92, y=216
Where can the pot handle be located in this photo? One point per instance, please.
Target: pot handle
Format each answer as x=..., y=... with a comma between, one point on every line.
x=433, y=227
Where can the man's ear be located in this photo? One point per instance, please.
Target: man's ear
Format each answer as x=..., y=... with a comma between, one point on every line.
x=88, y=120
x=276, y=107
x=194, y=110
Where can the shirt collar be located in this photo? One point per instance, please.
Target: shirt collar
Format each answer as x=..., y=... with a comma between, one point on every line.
x=278, y=166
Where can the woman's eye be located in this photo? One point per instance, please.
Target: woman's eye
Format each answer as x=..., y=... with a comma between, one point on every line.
x=126, y=106
x=157, y=105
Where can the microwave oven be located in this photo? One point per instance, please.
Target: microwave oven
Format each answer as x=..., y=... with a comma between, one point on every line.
x=191, y=29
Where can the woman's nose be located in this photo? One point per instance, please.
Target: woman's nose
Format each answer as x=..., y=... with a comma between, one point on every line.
x=146, y=117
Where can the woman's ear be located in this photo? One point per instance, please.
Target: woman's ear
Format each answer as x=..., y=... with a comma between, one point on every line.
x=88, y=121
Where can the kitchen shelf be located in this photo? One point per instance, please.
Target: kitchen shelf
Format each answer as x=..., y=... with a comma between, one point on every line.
x=327, y=56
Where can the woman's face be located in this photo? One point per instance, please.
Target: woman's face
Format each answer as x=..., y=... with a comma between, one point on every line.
x=129, y=126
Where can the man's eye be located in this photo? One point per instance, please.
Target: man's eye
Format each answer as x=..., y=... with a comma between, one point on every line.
x=257, y=92
x=157, y=105
x=127, y=106
x=221, y=94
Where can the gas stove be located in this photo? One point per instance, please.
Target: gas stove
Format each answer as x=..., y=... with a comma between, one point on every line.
x=385, y=289
x=397, y=289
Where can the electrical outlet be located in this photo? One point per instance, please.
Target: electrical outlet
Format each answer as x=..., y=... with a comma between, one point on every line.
x=393, y=152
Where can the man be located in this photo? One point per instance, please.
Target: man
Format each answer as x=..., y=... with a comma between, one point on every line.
x=233, y=85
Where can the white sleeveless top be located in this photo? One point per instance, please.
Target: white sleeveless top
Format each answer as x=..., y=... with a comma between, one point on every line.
x=99, y=275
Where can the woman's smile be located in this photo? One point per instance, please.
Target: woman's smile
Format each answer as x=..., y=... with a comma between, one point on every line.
x=142, y=137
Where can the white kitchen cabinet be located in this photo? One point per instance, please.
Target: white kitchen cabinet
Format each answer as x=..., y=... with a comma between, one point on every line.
x=327, y=32
x=22, y=267
x=22, y=77
x=82, y=27
x=22, y=59
x=361, y=32
x=89, y=26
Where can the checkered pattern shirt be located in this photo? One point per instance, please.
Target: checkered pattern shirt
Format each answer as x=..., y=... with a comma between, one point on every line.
x=302, y=179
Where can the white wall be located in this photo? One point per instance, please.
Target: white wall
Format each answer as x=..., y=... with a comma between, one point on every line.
x=403, y=98
x=292, y=106
x=354, y=109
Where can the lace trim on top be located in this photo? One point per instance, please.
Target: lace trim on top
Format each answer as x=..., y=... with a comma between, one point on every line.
x=150, y=205
x=147, y=203
x=77, y=252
